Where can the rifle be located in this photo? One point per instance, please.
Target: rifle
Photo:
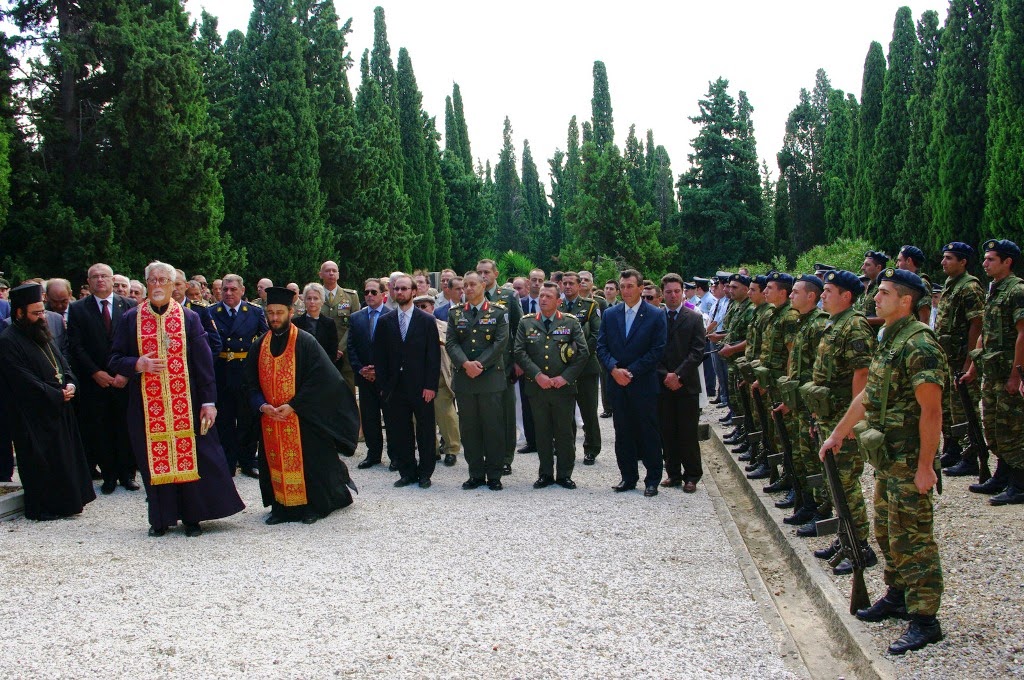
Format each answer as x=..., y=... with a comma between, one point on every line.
x=753, y=436
x=972, y=428
x=843, y=526
x=766, y=437
x=787, y=446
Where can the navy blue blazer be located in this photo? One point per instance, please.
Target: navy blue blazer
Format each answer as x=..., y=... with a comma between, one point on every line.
x=236, y=336
x=359, y=344
x=209, y=325
x=640, y=352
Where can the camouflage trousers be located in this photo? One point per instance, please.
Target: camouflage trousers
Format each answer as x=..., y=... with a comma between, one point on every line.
x=850, y=462
x=903, y=527
x=734, y=388
x=805, y=457
x=1001, y=419
x=952, y=409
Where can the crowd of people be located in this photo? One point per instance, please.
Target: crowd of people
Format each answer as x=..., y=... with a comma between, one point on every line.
x=186, y=383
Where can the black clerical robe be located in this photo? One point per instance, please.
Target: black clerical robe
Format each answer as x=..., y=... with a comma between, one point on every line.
x=51, y=458
x=328, y=424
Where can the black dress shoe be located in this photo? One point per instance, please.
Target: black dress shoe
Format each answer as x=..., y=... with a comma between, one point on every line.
x=156, y=533
x=131, y=485
x=761, y=472
x=892, y=605
x=950, y=456
x=565, y=483
x=368, y=463
x=406, y=481
x=472, y=483
x=251, y=472
x=726, y=419
x=425, y=483
x=47, y=517
x=495, y=485
x=673, y=481
x=193, y=530
x=651, y=490
x=507, y=470
x=273, y=519
x=690, y=487
x=392, y=467
x=543, y=482
x=589, y=459
x=922, y=631
x=449, y=460
x=624, y=486
x=752, y=465
x=993, y=486
x=831, y=551
x=714, y=400
x=108, y=488
x=310, y=518
x=1010, y=496
x=527, y=449
x=606, y=414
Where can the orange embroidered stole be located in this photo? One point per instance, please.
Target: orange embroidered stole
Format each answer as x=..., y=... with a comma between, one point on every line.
x=166, y=397
x=282, y=441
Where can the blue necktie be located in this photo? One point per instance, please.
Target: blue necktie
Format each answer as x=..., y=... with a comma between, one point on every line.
x=403, y=319
x=629, y=319
x=373, y=323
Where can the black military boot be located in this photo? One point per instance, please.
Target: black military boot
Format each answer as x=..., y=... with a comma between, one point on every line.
x=744, y=450
x=967, y=467
x=790, y=500
x=829, y=552
x=846, y=566
x=756, y=459
x=783, y=483
x=1014, y=493
x=732, y=437
x=922, y=631
x=762, y=471
x=810, y=528
x=951, y=453
x=892, y=605
x=805, y=511
x=996, y=483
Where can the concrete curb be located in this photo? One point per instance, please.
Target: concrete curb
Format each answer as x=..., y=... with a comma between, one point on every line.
x=12, y=505
x=857, y=646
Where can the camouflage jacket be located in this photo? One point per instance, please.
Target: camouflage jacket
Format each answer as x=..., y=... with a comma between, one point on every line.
x=962, y=301
x=866, y=302
x=1004, y=307
x=846, y=346
x=779, y=332
x=742, y=313
x=759, y=316
x=810, y=328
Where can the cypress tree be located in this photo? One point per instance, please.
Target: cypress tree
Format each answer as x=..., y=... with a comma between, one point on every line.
x=636, y=168
x=277, y=163
x=837, y=162
x=510, y=208
x=958, y=146
x=470, y=210
x=538, y=236
x=892, y=137
x=601, y=108
x=438, y=194
x=916, y=180
x=799, y=163
x=415, y=183
x=663, y=193
x=565, y=173
x=870, y=113
x=1004, y=207
x=461, y=128
x=382, y=69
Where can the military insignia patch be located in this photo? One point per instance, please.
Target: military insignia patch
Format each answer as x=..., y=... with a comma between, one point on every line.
x=567, y=352
x=859, y=346
x=244, y=308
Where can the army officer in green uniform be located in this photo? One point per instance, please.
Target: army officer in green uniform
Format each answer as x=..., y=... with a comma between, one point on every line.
x=476, y=340
x=552, y=351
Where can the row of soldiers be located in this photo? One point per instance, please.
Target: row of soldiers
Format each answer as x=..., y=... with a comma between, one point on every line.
x=811, y=356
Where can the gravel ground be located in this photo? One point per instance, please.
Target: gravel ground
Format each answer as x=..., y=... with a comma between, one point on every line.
x=981, y=614
x=406, y=582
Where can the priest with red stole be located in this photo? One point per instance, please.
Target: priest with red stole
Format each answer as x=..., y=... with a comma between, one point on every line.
x=161, y=347
x=308, y=417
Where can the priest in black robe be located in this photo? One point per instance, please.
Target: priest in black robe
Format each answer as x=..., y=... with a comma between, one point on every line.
x=38, y=387
x=292, y=382
x=213, y=494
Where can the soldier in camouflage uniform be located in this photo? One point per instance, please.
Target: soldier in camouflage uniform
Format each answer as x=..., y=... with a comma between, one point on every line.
x=552, y=349
x=587, y=389
x=958, y=325
x=911, y=259
x=476, y=340
x=998, y=353
x=902, y=406
x=841, y=371
x=810, y=326
x=776, y=344
x=737, y=321
x=874, y=263
x=752, y=349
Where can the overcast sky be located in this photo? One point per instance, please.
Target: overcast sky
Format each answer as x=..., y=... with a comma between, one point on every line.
x=532, y=60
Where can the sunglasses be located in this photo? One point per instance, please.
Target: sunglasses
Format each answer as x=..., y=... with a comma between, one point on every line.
x=647, y=297
x=423, y=305
x=371, y=292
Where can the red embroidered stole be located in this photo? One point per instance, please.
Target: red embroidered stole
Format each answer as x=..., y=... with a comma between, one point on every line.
x=166, y=397
x=282, y=441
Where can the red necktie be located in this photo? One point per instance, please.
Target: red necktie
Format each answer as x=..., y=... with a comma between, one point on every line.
x=106, y=316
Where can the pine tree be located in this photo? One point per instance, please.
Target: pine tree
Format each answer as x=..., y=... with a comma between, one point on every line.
x=601, y=108
x=277, y=163
x=1004, y=206
x=915, y=180
x=870, y=113
x=958, y=146
x=414, y=154
x=892, y=137
x=510, y=208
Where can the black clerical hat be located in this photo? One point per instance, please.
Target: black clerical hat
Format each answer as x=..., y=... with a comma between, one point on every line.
x=25, y=295
x=280, y=296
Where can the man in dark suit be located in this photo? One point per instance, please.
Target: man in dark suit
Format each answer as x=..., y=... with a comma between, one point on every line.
x=630, y=343
x=361, y=331
x=678, y=403
x=408, y=354
x=239, y=324
x=92, y=322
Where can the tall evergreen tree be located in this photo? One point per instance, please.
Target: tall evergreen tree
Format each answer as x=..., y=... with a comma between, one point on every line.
x=601, y=108
x=414, y=153
x=538, y=233
x=565, y=172
x=277, y=164
x=958, y=146
x=662, y=186
x=382, y=69
x=636, y=168
x=1004, y=205
x=220, y=81
x=916, y=180
x=438, y=194
x=471, y=211
x=838, y=164
x=510, y=207
x=800, y=165
x=462, y=128
x=870, y=113
x=892, y=136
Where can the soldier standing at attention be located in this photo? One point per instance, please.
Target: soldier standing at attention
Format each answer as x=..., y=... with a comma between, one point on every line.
x=958, y=325
x=874, y=263
x=587, y=389
x=488, y=272
x=341, y=303
x=552, y=349
x=1000, y=349
x=902, y=404
x=476, y=340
